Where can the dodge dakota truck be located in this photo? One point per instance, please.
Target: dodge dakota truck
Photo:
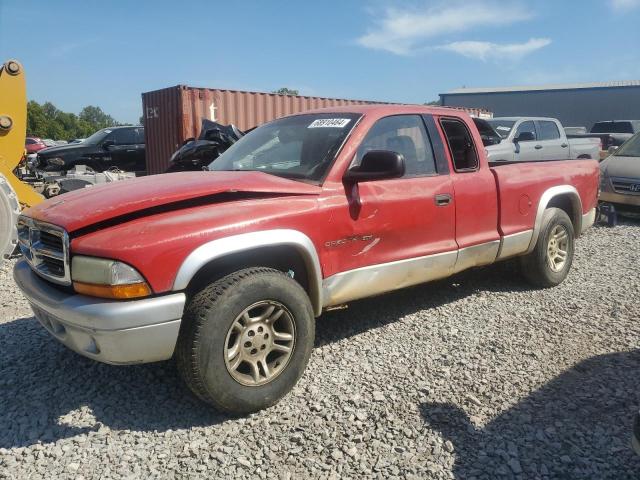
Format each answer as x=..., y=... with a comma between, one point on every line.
x=227, y=269
x=527, y=139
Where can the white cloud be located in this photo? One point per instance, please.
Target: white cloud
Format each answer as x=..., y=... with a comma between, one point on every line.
x=404, y=31
x=624, y=5
x=494, y=51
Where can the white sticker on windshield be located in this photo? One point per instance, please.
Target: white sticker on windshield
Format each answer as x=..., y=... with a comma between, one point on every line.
x=329, y=123
x=505, y=129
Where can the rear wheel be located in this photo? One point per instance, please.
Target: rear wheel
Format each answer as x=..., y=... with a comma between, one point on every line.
x=550, y=261
x=245, y=339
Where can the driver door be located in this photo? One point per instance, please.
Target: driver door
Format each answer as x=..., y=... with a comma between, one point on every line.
x=388, y=224
x=530, y=150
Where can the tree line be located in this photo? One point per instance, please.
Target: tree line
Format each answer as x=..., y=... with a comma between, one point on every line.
x=47, y=121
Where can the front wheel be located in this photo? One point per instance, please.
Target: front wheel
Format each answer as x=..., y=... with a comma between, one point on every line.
x=245, y=340
x=550, y=261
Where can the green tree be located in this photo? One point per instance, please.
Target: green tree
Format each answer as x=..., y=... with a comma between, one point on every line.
x=95, y=116
x=285, y=91
x=47, y=121
x=434, y=103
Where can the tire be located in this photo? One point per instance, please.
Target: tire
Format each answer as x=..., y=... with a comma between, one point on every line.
x=537, y=265
x=214, y=325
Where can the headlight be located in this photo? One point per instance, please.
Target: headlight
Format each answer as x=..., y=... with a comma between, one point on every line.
x=99, y=277
x=55, y=161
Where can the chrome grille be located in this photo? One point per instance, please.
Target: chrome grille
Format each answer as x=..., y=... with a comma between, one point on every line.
x=630, y=186
x=46, y=248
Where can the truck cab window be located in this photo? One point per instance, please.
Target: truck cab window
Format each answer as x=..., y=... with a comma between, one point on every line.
x=123, y=136
x=461, y=145
x=527, y=127
x=548, y=130
x=403, y=134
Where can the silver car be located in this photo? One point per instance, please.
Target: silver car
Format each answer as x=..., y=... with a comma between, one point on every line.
x=620, y=176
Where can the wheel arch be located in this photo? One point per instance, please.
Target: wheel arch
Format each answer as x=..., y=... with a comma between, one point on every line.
x=282, y=249
x=564, y=197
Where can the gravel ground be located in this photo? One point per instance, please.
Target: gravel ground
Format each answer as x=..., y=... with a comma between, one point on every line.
x=476, y=376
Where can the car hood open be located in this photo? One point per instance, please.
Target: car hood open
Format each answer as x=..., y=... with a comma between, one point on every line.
x=117, y=202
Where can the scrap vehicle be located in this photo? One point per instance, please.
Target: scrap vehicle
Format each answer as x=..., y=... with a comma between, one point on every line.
x=14, y=194
x=196, y=154
x=612, y=134
x=113, y=147
x=33, y=144
x=226, y=269
x=537, y=139
x=620, y=177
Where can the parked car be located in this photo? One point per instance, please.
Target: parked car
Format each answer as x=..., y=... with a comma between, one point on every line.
x=620, y=177
x=226, y=269
x=612, y=133
x=61, y=142
x=33, y=144
x=535, y=139
x=49, y=142
x=196, y=154
x=119, y=147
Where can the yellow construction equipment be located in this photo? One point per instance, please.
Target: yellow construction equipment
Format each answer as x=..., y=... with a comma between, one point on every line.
x=14, y=194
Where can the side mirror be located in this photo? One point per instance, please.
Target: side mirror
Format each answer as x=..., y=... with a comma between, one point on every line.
x=376, y=165
x=612, y=149
x=524, y=137
x=108, y=143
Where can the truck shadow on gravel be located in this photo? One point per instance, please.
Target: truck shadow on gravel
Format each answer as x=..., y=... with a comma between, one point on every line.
x=577, y=426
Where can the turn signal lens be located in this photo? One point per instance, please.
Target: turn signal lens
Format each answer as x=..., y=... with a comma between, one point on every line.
x=121, y=292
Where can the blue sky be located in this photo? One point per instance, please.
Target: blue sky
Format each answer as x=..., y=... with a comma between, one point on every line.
x=107, y=53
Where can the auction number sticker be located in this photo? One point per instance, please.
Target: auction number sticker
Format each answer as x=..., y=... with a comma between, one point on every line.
x=329, y=123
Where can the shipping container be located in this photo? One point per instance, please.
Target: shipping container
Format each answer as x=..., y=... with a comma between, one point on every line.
x=174, y=114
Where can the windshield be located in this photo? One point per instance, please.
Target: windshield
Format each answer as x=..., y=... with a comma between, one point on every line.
x=503, y=127
x=98, y=136
x=298, y=147
x=631, y=148
x=612, y=127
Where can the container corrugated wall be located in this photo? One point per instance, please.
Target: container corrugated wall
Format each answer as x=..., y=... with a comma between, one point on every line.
x=172, y=115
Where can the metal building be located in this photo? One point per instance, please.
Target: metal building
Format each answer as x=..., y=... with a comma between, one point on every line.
x=575, y=105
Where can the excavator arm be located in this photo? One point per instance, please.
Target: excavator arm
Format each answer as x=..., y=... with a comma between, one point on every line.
x=14, y=194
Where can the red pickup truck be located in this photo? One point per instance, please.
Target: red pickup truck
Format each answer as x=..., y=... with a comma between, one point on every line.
x=227, y=269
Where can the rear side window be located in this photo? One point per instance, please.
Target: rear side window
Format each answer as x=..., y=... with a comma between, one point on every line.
x=139, y=135
x=30, y=141
x=461, y=145
x=124, y=136
x=403, y=134
x=527, y=126
x=548, y=131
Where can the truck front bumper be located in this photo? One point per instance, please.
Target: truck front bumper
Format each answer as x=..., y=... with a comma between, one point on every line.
x=109, y=331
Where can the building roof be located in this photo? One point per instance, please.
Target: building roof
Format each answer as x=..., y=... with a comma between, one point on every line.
x=557, y=86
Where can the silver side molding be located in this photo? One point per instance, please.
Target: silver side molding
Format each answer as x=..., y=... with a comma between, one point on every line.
x=376, y=279
x=588, y=219
x=248, y=241
x=546, y=198
x=477, y=255
x=515, y=244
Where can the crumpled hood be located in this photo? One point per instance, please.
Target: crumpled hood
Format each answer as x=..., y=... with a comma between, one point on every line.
x=113, y=201
x=620, y=166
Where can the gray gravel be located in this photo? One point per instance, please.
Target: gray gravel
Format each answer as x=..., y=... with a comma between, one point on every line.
x=475, y=376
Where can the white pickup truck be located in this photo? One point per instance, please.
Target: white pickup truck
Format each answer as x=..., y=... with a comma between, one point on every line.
x=527, y=139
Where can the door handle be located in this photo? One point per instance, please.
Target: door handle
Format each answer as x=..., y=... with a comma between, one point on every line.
x=564, y=145
x=538, y=147
x=442, y=199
